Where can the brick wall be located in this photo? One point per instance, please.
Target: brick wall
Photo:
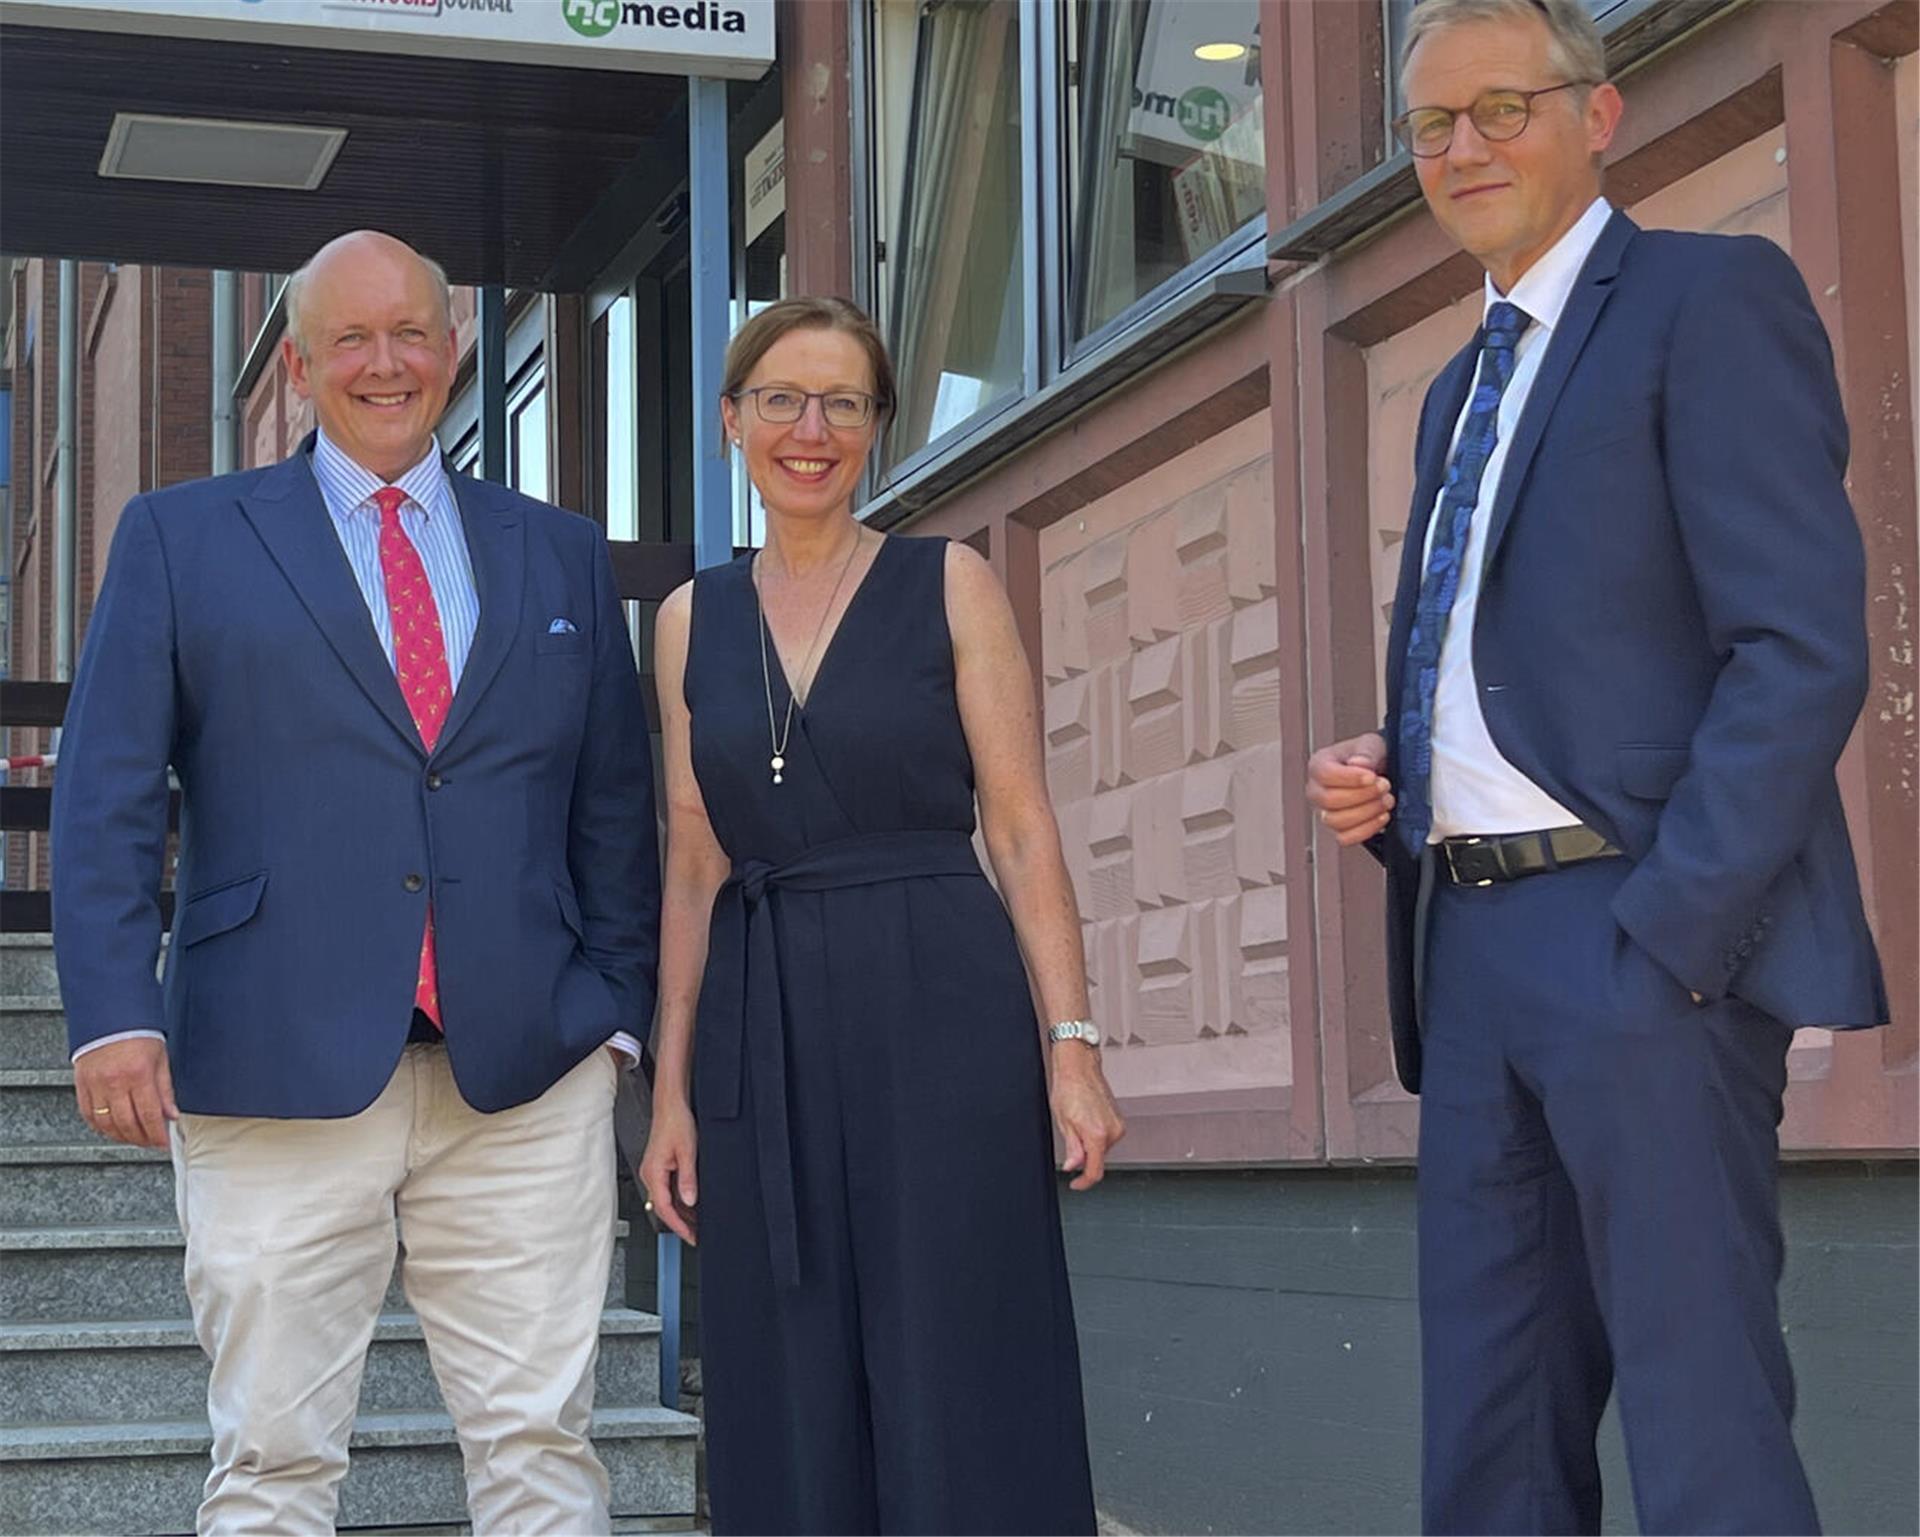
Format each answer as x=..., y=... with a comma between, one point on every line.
x=144, y=420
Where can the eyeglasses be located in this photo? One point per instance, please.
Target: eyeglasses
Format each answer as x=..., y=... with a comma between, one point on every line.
x=1497, y=117
x=779, y=404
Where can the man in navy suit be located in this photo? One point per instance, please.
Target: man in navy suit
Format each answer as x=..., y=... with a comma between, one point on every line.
x=416, y=932
x=1627, y=649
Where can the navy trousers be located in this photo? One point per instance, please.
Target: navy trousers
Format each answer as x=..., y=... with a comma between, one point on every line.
x=1599, y=1207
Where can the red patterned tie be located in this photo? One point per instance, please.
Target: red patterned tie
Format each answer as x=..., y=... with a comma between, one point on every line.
x=420, y=660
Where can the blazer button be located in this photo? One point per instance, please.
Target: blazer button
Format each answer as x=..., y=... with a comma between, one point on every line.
x=434, y=781
x=413, y=883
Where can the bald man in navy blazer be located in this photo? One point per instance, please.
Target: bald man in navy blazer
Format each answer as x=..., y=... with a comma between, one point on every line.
x=417, y=923
x=1627, y=649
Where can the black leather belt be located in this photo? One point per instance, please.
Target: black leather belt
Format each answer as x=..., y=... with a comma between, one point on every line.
x=1483, y=861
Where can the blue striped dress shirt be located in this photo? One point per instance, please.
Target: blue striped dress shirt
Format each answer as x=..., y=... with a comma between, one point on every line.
x=429, y=517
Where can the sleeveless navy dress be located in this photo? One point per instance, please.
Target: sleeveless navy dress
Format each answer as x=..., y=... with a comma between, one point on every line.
x=886, y=1331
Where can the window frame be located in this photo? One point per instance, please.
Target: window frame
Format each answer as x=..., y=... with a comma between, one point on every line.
x=529, y=386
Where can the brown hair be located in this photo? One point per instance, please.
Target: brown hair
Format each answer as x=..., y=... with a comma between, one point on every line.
x=751, y=342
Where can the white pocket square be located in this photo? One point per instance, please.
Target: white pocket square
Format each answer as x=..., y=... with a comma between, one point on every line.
x=562, y=627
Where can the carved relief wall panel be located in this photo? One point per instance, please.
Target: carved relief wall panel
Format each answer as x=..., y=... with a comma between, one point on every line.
x=1160, y=662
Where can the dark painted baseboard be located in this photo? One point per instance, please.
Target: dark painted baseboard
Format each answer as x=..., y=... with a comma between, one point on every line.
x=1250, y=1348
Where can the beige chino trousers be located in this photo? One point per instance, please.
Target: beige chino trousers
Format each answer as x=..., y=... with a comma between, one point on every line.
x=507, y=1221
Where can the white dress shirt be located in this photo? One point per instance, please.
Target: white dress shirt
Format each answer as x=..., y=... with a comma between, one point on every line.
x=1474, y=790
x=430, y=518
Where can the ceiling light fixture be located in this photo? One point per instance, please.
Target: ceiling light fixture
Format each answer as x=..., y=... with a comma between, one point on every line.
x=220, y=152
x=1220, y=53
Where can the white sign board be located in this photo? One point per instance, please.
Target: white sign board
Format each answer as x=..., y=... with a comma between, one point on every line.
x=728, y=38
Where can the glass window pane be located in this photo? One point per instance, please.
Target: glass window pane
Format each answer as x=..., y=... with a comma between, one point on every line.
x=1172, y=149
x=956, y=317
x=623, y=493
x=530, y=444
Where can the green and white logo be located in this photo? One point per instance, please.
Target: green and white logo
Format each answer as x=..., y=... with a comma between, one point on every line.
x=591, y=18
x=1204, y=113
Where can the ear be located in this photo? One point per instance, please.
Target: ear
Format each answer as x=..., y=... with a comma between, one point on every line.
x=1605, y=108
x=296, y=368
x=730, y=418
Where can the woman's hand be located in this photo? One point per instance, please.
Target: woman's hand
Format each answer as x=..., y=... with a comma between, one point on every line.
x=667, y=1168
x=1083, y=1109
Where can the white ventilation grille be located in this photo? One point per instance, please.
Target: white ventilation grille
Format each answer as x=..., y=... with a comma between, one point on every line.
x=227, y=154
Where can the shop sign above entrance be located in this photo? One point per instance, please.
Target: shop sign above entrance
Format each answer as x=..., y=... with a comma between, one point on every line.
x=731, y=38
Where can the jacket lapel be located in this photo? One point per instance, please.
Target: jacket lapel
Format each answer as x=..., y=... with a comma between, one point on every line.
x=496, y=544
x=1589, y=297
x=292, y=521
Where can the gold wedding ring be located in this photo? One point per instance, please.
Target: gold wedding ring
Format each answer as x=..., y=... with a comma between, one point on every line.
x=103, y=1110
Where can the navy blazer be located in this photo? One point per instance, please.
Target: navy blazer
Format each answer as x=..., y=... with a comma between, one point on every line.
x=1671, y=634
x=231, y=641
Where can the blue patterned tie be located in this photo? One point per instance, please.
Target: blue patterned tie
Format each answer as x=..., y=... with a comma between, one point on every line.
x=1454, y=519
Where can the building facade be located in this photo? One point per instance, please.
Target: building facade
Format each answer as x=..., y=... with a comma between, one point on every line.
x=1164, y=305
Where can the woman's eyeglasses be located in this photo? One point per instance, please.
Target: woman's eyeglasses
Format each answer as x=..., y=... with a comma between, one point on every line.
x=780, y=405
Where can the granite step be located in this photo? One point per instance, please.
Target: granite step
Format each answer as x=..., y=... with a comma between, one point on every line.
x=133, y=1271
x=65, y=1374
x=36, y=1107
x=146, y=1477
x=59, y=1183
x=33, y=1031
x=26, y=964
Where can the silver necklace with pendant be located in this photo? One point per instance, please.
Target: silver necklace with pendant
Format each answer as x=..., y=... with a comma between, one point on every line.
x=778, y=736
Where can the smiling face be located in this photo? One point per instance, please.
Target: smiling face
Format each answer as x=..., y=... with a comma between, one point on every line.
x=376, y=351
x=1508, y=203
x=805, y=469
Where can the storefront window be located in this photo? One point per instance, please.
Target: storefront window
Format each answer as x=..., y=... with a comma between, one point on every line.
x=954, y=302
x=1169, y=158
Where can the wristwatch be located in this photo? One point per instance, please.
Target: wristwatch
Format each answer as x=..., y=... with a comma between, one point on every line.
x=1075, y=1030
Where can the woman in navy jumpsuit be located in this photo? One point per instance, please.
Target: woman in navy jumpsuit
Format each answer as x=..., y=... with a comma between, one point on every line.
x=887, y=1335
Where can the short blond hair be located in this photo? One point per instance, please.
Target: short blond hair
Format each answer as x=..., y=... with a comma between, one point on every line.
x=1574, y=50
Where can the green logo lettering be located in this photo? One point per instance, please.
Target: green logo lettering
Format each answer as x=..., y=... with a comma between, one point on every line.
x=1204, y=113
x=593, y=18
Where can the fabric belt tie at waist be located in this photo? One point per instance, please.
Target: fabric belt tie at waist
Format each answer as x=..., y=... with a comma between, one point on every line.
x=744, y=1015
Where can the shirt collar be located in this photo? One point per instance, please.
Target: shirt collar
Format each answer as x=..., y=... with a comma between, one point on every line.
x=1545, y=287
x=346, y=485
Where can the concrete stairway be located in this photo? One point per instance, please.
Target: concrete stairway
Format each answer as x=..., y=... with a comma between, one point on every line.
x=103, y=1386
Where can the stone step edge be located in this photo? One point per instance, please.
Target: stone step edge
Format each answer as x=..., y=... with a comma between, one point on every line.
x=36, y=1078
x=103, y=1151
x=30, y=1003
x=394, y=1428
x=109, y=1235
x=160, y=1334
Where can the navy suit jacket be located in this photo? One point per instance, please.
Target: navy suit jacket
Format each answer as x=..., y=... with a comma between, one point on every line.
x=1671, y=634
x=231, y=641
